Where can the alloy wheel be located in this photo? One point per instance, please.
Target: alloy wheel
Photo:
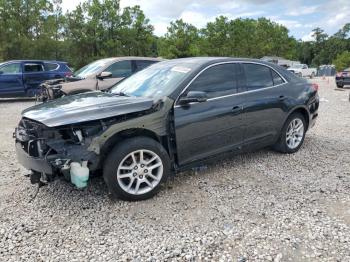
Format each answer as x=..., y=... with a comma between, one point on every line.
x=139, y=172
x=295, y=133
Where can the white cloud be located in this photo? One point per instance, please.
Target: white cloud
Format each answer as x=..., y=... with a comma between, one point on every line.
x=337, y=14
x=308, y=37
x=194, y=18
x=69, y=5
x=303, y=10
x=299, y=17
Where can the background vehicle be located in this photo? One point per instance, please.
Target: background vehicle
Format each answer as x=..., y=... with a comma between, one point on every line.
x=99, y=75
x=303, y=70
x=23, y=77
x=167, y=118
x=343, y=78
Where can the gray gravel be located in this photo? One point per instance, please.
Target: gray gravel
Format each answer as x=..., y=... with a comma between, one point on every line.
x=259, y=206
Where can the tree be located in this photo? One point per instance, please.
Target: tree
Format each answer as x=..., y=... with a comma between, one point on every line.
x=181, y=40
x=342, y=61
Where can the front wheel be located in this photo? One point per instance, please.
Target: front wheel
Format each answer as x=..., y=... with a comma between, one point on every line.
x=292, y=135
x=136, y=168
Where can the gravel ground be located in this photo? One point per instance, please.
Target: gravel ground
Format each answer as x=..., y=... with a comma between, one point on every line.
x=259, y=206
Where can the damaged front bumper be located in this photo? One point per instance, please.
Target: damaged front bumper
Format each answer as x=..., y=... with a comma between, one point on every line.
x=49, y=152
x=36, y=164
x=50, y=90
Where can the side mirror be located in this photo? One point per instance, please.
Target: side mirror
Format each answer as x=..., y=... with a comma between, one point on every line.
x=104, y=75
x=193, y=96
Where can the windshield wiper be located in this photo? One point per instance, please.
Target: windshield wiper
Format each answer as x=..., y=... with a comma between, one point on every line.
x=120, y=94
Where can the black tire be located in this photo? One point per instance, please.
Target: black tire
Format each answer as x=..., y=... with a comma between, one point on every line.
x=122, y=150
x=281, y=144
x=340, y=86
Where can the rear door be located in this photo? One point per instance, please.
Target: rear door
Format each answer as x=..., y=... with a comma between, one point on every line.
x=33, y=75
x=208, y=128
x=265, y=103
x=119, y=70
x=11, y=82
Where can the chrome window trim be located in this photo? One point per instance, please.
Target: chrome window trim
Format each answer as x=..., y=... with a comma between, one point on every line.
x=229, y=62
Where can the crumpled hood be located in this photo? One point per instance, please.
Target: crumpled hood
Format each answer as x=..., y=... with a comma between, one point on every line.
x=85, y=107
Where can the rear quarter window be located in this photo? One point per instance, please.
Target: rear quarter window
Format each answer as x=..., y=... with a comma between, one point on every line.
x=51, y=66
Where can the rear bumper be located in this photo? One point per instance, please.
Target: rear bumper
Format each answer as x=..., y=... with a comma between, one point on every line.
x=32, y=163
x=313, y=119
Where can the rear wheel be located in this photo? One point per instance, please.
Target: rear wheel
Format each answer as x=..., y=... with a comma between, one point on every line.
x=292, y=135
x=340, y=86
x=136, y=168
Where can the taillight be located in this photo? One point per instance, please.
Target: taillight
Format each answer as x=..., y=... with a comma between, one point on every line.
x=314, y=87
x=68, y=74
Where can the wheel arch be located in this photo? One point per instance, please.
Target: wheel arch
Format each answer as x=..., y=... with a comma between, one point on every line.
x=303, y=111
x=130, y=133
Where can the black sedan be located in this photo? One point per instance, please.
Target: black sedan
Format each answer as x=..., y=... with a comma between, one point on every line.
x=343, y=78
x=167, y=118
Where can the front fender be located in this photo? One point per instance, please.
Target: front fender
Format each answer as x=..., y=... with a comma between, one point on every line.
x=155, y=122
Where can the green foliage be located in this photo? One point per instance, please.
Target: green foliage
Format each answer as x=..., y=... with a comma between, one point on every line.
x=342, y=61
x=181, y=40
x=38, y=29
x=324, y=49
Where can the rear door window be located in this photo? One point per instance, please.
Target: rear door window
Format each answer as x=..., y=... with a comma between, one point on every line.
x=216, y=81
x=257, y=76
x=13, y=68
x=141, y=64
x=120, y=69
x=33, y=67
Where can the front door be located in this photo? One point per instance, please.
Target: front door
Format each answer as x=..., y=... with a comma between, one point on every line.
x=11, y=83
x=208, y=128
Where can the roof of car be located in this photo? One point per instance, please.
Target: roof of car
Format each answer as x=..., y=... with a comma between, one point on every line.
x=35, y=61
x=133, y=58
x=211, y=60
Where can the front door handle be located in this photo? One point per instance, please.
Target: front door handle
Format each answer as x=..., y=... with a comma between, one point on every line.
x=236, y=110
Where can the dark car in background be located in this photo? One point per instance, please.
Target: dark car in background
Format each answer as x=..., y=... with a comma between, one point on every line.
x=23, y=77
x=98, y=75
x=165, y=119
x=343, y=78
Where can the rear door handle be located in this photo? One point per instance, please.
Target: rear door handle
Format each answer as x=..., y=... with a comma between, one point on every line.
x=236, y=110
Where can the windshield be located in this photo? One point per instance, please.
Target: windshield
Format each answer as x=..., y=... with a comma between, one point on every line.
x=92, y=68
x=158, y=80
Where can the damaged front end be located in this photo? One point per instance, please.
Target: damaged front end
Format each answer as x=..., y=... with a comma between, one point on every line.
x=51, y=90
x=52, y=151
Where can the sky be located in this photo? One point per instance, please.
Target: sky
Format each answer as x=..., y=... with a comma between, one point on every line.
x=299, y=16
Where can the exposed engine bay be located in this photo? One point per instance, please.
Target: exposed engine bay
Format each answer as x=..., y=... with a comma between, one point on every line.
x=52, y=151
